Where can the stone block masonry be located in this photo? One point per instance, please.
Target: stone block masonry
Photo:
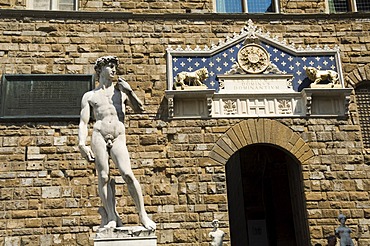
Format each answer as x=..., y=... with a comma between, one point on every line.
x=180, y=7
x=48, y=193
x=58, y=194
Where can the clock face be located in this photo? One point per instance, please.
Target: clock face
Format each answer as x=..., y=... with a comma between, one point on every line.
x=253, y=58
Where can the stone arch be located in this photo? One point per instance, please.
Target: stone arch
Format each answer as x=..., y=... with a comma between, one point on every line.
x=254, y=131
x=358, y=75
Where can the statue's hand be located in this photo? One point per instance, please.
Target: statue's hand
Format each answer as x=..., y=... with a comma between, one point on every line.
x=87, y=153
x=123, y=85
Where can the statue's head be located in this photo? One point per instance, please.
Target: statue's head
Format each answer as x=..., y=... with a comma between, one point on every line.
x=342, y=218
x=215, y=223
x=104, y=60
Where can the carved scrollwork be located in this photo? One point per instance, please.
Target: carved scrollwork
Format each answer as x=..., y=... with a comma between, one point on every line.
x=222, y=84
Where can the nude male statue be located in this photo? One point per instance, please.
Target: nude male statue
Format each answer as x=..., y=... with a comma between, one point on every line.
x=108, y=139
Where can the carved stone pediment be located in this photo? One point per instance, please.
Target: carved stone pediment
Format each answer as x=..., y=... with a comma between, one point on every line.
x=253, y=74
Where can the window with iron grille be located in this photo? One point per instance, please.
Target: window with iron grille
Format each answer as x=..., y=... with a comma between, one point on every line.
x=66, y=5
x=246, y=6
x=363, y=5
x=363, y=106
x=340, y=6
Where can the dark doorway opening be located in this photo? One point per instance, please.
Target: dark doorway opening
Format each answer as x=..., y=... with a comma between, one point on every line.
x=265, y=197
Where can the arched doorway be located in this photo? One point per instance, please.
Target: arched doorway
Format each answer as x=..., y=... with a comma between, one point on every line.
x=265, y=197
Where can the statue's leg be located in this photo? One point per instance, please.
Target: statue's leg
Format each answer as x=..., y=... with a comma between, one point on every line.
x=112, y=184
x=99, y=148
x=121, y=158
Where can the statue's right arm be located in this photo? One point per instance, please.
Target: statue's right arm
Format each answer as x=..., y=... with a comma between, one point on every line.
x=86, y=151
x=135, y=102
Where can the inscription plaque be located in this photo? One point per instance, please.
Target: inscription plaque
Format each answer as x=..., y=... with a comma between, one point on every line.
x=255, y=83
x=43, y=96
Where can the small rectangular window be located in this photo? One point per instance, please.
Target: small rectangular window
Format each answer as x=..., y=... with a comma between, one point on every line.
x=338, y=6
x=229, y=6
x=41, y=4
x=341, y=6
x=363, y=5
x=66, y=5
x=261, y=6
x=363, y=106
x=246, y=6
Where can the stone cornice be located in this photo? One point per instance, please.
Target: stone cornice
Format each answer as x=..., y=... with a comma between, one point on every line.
x=87, y=15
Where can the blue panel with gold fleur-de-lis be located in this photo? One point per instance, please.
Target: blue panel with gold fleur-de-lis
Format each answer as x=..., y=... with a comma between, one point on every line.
x=220, y=58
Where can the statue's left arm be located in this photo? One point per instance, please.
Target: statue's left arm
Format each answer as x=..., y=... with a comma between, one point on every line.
x=135, y=102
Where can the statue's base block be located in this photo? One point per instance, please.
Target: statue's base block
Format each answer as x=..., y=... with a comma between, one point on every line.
x=133, y=241
x=128, y=236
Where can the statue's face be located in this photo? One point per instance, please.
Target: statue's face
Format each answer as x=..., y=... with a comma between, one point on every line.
x=108, y=71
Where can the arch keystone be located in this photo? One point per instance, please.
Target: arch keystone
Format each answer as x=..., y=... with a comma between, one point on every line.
x=267, y=124
x=260, y=130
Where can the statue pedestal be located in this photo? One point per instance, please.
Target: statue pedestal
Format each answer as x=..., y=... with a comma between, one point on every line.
x=128, y=236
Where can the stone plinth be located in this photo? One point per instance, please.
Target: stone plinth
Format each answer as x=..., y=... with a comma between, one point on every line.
x=128, y=236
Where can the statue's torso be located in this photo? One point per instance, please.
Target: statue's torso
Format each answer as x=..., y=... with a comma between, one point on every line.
x=109, y=110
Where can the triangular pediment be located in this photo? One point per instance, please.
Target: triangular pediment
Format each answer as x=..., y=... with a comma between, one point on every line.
x=219, y=59
x=253, y=74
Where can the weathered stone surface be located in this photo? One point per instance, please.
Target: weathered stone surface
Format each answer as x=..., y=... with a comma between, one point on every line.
x=45, y=185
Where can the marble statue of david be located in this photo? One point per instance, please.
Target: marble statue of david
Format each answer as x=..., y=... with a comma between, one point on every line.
x=108, y=139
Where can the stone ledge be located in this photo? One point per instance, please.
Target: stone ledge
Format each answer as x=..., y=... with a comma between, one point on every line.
x=95, y=15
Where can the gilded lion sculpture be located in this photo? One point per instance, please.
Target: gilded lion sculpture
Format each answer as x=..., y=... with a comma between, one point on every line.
x=318, y=76
x=191, y=78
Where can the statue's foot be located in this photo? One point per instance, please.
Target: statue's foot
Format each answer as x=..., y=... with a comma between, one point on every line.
x=111, y=224
x=148, y=223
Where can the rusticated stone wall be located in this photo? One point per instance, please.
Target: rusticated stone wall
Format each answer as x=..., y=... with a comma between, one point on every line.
x=60, y=46
x=49, y=193
x=184, y=6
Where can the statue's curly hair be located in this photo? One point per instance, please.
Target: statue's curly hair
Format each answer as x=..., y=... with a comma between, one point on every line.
x=104, y=60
